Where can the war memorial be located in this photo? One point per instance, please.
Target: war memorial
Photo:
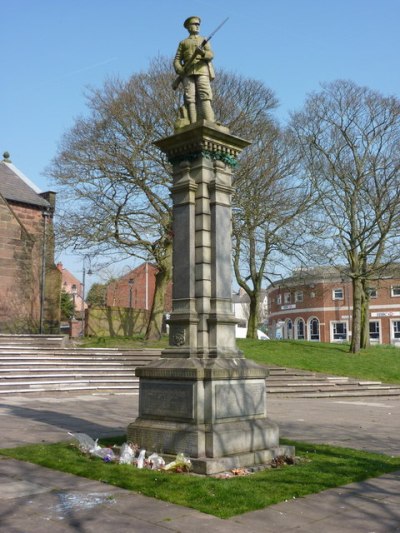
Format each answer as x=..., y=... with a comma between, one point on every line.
x=202, y=397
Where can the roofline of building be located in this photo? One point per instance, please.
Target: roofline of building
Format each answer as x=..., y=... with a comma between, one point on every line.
x=322, y=274
x=22, y=176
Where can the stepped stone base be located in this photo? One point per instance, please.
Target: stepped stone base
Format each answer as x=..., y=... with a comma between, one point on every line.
x=213, y=410
x=207, y=466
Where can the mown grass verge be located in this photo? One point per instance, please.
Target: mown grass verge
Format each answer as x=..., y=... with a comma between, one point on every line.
x=320, y=467
x=133, y=342
x=379, y=363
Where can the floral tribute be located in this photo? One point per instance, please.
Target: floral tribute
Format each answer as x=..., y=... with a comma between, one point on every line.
x=129, y=453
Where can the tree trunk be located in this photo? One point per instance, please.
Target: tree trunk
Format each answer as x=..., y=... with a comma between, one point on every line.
x=365, y=317
x=154, y=326
x=163, y=277
x=253, y=316
x=357, y=304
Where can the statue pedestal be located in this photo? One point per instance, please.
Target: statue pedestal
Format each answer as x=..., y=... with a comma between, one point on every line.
x=213, y=410
x=203, y=398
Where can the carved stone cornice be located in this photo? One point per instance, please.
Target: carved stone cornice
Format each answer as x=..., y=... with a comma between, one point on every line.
x=202, y=139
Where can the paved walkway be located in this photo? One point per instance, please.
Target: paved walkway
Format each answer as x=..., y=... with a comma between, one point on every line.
x=34, y=499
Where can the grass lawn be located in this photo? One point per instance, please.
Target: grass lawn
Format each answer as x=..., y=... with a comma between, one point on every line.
x=380, y=363
x=135, y=342
x=376, y=363
x=320, y=468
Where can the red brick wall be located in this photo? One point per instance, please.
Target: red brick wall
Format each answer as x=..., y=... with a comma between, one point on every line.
x=139, y=294
x=21, y=240
x=318, y=302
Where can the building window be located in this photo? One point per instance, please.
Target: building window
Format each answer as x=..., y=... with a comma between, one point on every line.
x=298, y=297
x=314, y=329
x=279, y=299
x=288, y=329
x=286, y=298
x=300, y=330
x=373, y=293
x=337, y=294
x=396, y=329
x=339, y=331
x=395, y=290
x=278, y=327
x=374, y=331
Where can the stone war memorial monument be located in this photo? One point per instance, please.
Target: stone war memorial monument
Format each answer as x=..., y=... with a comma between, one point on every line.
x=202, y=397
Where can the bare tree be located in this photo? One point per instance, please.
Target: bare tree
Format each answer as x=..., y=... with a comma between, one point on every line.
x=349, y=140
x=114, y=183
x=268, y=203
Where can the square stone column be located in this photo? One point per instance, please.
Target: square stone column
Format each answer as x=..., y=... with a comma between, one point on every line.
x=202, y=155
x=203, y=398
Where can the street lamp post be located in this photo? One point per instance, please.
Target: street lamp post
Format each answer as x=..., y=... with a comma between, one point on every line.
x=74, y=291
x=45, y=214
x=89, y=272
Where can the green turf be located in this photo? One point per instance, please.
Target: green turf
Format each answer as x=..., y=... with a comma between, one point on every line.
x=380, y=363
x=134, y=342
x=319, y=468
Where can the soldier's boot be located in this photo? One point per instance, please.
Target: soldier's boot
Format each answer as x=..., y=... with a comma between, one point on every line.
x=207, y=110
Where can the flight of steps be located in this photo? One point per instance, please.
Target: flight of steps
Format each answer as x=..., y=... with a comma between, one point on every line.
x=44, y=364
x=294, y=383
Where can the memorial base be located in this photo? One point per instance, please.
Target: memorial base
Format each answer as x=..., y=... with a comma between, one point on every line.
x=212, y=410
x=202, y=398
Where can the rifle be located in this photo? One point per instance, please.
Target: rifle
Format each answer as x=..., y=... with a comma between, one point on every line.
x=178, y=80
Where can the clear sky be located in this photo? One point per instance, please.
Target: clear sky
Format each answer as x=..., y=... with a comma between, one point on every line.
x=51, y=50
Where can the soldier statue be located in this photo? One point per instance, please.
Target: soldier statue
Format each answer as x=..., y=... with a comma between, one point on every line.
x=193, y=65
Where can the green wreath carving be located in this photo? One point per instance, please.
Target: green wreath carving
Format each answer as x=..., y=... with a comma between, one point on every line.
x=214, y=156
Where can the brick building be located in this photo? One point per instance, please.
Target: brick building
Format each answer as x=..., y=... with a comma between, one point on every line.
x=316, y=304
x=29, y=280
x=136, y=289
x=73, y=286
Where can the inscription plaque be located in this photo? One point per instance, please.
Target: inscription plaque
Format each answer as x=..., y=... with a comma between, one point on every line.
x=171, y=400
x=166, y=441
x=239, y=400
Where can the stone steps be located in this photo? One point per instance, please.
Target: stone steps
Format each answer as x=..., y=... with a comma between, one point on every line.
x=33, y=340
x=49, y=367
x=306, y=384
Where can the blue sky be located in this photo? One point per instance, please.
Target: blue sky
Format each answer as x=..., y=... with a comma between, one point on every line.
x=52, y=50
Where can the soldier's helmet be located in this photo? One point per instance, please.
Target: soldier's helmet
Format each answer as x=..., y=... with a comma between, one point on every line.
x=191, y=20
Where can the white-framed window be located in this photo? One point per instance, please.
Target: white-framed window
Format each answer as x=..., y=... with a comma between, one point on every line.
x=277, y=326
x=313, y=329
x=299, y=330
x=288, y=329
x=395, y=325
x=337, y=294
x=375, y=331
x=286, y=298
x=373, y=293
x=298, y=296
x=338, y=331
x=279, y=299
x=395, y=290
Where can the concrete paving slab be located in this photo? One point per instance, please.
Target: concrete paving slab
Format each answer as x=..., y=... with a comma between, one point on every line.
x=276, y=518
x=372, y=426
x=12, y=470
x=370, y=506
x=16, y=489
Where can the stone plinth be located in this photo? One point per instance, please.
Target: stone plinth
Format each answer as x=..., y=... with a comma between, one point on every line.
x=203, y=397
